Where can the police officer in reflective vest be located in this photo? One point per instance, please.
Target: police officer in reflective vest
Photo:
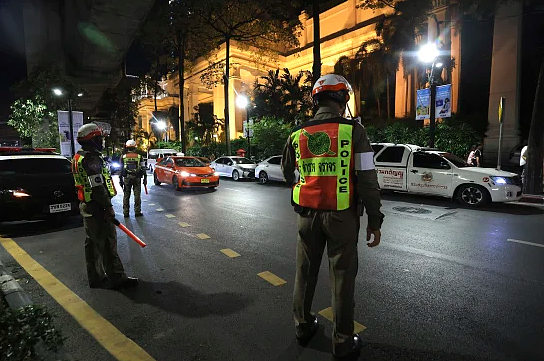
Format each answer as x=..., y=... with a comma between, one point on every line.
x=95, y=189
x=337, y=182
x=132, y=171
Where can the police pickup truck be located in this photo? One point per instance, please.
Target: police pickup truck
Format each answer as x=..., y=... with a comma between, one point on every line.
x=413, y=169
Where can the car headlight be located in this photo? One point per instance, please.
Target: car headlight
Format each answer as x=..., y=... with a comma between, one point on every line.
x=499, y=180
x=184, y=174
x=215, y=174
x=116, y=165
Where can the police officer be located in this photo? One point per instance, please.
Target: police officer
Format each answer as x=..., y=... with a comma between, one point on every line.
x=132, y=171
x=95, y=189
x=337, y=180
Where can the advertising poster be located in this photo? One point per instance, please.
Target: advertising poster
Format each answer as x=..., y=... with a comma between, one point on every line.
x=423, y=105
x=247, y=129
x=443, y=101
x=64, y=131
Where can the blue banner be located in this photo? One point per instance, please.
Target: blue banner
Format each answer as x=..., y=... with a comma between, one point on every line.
x=443, y=101
x=423, y=104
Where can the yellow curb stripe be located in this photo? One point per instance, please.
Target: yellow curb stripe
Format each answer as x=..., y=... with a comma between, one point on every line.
x=107, y=335
x=170, y=216
x=203, y=236
x=327, y=313
x=184, y=225
x=230, y=253
x=272, y=278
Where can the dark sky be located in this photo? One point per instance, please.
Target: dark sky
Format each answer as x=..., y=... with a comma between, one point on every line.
x=12, y=58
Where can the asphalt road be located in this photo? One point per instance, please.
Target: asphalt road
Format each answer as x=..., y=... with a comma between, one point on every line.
x=446, y=283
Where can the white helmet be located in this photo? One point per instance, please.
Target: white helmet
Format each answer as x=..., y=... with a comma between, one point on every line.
x=130, y=143
x=88, y=131
x=334, y=86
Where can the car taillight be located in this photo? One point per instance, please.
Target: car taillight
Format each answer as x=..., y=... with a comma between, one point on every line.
x=19, y=194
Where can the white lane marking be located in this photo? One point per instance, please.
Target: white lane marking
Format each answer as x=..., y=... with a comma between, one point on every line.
x=232, y=189
x=525, y=242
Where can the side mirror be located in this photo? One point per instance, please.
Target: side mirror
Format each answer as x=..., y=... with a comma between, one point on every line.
x=229, y=163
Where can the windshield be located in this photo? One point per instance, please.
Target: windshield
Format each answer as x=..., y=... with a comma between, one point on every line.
x=189, y=162
x=458, y=162
x=242, y=161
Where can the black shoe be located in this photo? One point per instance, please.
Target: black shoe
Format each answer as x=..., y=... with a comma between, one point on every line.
x=139, y=214
x=354, y=353
x=126, y=215
x=305, y=335
x=127, y=282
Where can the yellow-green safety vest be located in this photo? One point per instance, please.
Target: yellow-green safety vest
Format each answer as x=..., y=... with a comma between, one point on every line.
x=81, y=178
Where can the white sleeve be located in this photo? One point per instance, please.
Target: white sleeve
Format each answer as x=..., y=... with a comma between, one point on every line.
x=364, y=161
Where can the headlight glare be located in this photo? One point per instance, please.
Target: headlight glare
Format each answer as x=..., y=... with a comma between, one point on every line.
x=499, y=180
x=184, y=174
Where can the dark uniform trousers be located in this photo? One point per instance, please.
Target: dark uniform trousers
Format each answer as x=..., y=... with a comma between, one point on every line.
x=339, y=231
x=132, y=183
x=101, y=248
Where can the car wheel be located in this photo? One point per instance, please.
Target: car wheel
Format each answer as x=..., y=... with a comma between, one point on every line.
x=263, y=177
x=473, y=195
x=235, y=175
x=156, y=180
x=175, y=183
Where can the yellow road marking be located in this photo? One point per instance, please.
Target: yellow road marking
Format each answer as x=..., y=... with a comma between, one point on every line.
x=117, y=344
x=184, y=225
x=230, y=253
x=151, y=204
x=327, y=313
x=170, y=216
x=203, y=236
x=159, y=209
x=272, y=278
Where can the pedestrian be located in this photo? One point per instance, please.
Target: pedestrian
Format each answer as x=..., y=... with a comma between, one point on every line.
x=523, y=163
x=132, y=171
x=95, y=189
x=478, y=153
x=471, y=159
x=337, y=179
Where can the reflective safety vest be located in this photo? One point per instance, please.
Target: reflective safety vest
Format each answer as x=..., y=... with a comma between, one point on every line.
x=324, y=155
x=83, y=183
x=131, y=163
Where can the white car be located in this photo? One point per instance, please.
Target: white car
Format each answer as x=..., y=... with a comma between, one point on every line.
x=156, y=154
x=413, y=169
x=235, y=167
x=269, y=170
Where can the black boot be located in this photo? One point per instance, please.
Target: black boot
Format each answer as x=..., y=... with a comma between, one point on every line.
x=139, y=214
x=354, y=353
x=305, y=333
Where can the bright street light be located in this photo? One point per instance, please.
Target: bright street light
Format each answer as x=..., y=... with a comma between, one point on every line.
x=242, y=101
x=161, y=125
x=79, y=94
x=57, y=92
x=428, y=53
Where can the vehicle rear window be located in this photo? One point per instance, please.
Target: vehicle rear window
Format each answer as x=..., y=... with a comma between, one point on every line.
x=34, y=166
x=391, y=155
x=428, y=160
x=275, y=160
x=377, y=148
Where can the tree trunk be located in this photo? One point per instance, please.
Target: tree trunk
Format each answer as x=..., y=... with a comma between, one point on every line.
x=535, y=146
x=181, y=71
x=388, y=99
x=226, y=81
x=156, y=82
x=316, y=70
x=379, y=106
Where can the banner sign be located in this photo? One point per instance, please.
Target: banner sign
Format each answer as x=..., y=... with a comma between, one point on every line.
x=248, y=129
x=423, y=105
x=64, y=131
x=443, y=101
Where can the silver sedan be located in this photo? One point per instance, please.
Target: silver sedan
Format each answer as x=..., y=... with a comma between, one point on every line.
x=235, y=167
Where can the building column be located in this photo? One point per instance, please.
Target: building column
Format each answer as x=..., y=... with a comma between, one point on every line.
x=505, y=81
x=404, y=93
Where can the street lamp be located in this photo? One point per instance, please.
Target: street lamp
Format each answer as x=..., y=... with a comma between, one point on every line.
x=161, y=125
x=242, y=102
x=428, y=54
x=59, y=92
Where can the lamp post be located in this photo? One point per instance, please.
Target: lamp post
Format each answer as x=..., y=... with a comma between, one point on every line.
x=428, y=54
x=242, y=102
x=59, y=92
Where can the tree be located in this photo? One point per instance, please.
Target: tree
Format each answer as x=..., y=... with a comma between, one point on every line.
x=284, y=96
x=270, y=135
x=28, y=115
x=203, y=125
x=262, y=24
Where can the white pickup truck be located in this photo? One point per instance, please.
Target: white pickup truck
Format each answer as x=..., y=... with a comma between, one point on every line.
x=413, y=169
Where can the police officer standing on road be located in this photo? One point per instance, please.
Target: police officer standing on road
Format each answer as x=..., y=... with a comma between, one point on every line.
x=132, y=171
x=337, y=179
x=95, y=189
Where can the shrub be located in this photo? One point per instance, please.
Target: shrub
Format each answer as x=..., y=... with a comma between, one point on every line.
x=269, y=136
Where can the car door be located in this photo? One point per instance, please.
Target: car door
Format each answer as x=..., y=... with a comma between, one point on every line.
x=429, y=174
x=218, y=166
x=391, y=162
x=159, y=169
x=273, y=168
x=168, y=170
x=228, y=166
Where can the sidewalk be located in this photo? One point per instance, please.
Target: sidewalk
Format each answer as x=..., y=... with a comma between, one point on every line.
x=532, y=198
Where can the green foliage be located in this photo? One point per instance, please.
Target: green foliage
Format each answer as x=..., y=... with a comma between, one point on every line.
x=20, y=332
x=27, y=116
x=269, y=136
x=451, y=136
x=203, y=126
x=284, y=96
x=214, y=149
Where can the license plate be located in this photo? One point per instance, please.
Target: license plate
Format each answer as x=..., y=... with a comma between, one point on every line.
x=204, y=181
x=61, y=207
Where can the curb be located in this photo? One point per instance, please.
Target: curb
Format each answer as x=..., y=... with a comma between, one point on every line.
x=532, y=198
x=17, y=298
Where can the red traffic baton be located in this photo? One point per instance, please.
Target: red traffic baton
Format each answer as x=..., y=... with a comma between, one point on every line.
x=145, y=187
x=129, y=233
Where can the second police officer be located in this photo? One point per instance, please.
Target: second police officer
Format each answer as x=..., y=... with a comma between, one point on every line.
x=132, y=171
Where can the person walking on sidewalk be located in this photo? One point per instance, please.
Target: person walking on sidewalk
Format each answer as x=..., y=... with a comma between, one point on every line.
x=337, y=180
x=132, y=171
x=95, y=189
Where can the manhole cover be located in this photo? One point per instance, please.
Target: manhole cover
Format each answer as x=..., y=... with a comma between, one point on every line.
x=413, y=210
